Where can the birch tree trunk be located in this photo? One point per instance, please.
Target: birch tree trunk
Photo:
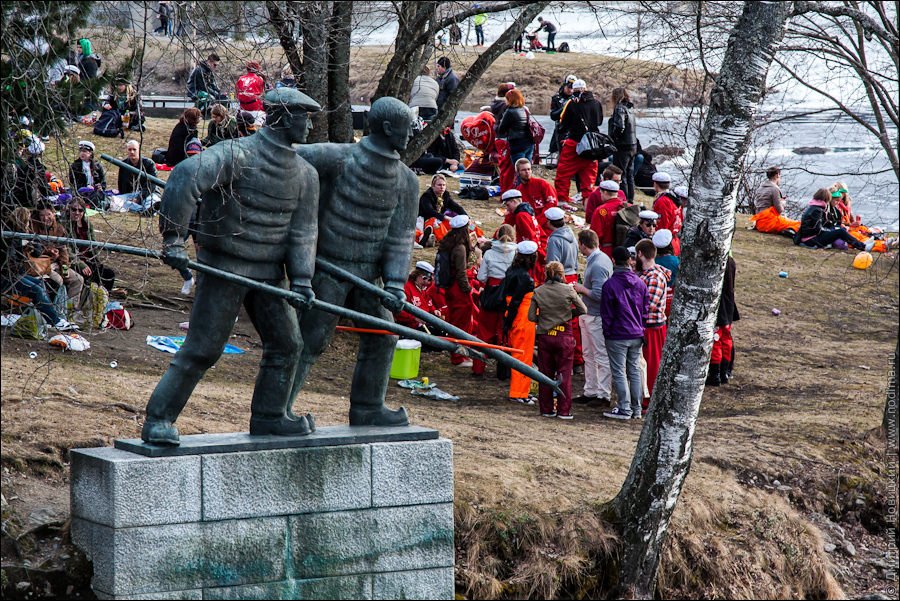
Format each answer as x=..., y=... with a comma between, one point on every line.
x=645, y=503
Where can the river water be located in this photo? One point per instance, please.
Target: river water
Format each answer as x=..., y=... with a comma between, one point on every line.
x=851, y=154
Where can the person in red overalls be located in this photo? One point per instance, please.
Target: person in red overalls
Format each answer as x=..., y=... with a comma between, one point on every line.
x=491, y=273
x=460, y=307
x=521, y=216
x=611, y=173
x=535, y=191
x=603, y=221
x=582, y=113
x=668, y=205
x=418, y=293
x=250, y=88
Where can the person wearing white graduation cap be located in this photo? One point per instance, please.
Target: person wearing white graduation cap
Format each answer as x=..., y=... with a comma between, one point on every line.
x=644, y=230
x=418, y=290
x=668, y=206
x=457, y=246
x=519, y=289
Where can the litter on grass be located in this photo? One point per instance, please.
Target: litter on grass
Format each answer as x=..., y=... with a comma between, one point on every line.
x=171, y=344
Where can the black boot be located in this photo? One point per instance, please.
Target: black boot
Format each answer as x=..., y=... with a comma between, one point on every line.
x=713, y=377
x=724, y=372
x=300, y=425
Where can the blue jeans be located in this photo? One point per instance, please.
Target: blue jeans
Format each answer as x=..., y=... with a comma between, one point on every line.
x=479, y=35
x=33, y=288
x=625, y=365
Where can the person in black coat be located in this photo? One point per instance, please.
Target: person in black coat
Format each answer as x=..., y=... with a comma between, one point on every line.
x=556, y=106
x=582, y=113
x=131, y=182
x=184, y=131
x=513, y=127
x=622, y=131
x=816, y=231
x=87, y=176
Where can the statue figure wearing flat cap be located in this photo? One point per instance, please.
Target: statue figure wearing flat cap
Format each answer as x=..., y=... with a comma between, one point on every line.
x=368, y=202
x=257, y=218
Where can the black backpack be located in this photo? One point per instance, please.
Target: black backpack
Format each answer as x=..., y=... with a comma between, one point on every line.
x=626, y=218
x=493, y=298
x=109, y=125
x=564, y=47
x=442, y=276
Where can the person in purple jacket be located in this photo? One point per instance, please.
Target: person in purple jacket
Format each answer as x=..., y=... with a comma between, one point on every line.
x=624, y=305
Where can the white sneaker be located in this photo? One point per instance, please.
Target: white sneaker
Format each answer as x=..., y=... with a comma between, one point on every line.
x=870, y=244
x=187, y=287
x=65, y=326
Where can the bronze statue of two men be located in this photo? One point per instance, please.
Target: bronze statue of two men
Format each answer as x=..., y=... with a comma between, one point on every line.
x=266, y=209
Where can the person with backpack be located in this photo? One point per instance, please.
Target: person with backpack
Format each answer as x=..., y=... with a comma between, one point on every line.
x=554, y=306
x=582, y=113
x=536, y=192
x=491, y=274
x=517, y=329
x=87, y=176
x=668, y=206
x=454, y=253
x=622, y=131
x=514, y=131
x=603, y=220
x=611, y=172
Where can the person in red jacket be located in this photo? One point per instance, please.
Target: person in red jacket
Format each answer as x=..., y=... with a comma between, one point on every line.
x=536, y=192
x=593, y=201
x=603, y=221
x=418, y=293
x=521, y=216
x=250, y=88
x=668, y=205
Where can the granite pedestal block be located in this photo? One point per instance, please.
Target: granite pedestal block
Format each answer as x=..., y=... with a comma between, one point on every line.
x=349, y=513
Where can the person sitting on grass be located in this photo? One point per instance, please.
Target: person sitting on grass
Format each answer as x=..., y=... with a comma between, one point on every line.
x=221, y=126
x=44, y=223
x=841, y=203
x=87, y=175
x=553, y=307
x=85, y=260
x=436, y=209
x=815, y=230
x=140, y=189
x=768, y=202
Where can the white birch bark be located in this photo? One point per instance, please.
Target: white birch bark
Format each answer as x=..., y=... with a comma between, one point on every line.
x=662, y=460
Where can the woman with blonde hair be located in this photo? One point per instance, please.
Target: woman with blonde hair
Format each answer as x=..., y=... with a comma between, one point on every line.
x=124, y=98
x=843, y=207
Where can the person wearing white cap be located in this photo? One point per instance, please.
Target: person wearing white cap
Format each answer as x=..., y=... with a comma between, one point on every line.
x=86, y=172
x=455, y=251
x=519, y=288
x=611, y=172
x=582, y=113
x=556, y=106
x=491, y=273
x=662, y=240
x=603, y=220
x=644, y=230
x=668, y=205
x=419, y=292
x=535, y=191
x=521, y=216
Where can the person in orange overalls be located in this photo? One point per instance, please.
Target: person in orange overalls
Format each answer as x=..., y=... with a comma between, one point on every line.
x=517, y=329
x=768, y=202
